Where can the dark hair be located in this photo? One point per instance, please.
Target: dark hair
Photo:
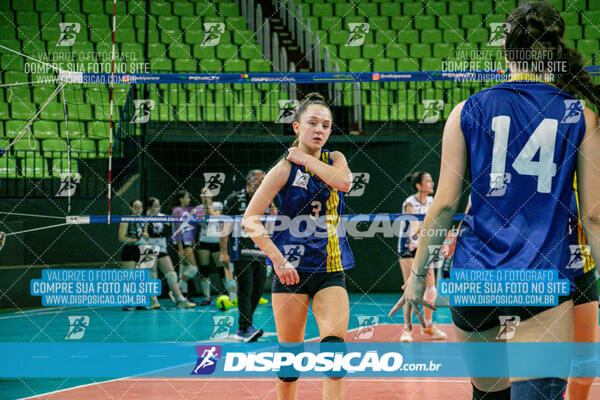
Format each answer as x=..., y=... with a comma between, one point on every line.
x=310, y=99
x=538, y=26
x=416, y=178
x=133, y=201
x=250, y=175
x=178, y=196
x=149, y=202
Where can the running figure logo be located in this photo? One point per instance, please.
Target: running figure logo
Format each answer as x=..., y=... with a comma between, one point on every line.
x=222, y=326
x=68, y=183
x=148, y=255
x=359, y=184
x=366, y=326
x=301, y=179
x=432, y=111
x=498, y=32
x=287, y=109
x=573, y=111
x=212, y=33
x=579, y=254
x=508, y=326
x=498, y=183
x=435, y=257
x=77, y=326
x=207, y=359
x=358, y=33
x=68, y=33
x=213, y=182
x=142, y=111
x=293, y=253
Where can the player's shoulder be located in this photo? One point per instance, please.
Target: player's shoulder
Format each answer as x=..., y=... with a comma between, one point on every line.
x=591, y=119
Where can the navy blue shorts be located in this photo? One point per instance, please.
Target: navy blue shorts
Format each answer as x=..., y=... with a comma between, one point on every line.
x=310, y=283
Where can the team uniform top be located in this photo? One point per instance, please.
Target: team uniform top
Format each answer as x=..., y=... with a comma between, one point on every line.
x=184, y=232
x=157, y=232
x=240, y=246
x=581, y=260
x=135, y=230
x=315, y=240
x=522, y=140
x=407, y=241
x=210, y=232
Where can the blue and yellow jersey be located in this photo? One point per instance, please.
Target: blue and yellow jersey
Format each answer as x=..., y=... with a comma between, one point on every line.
x=309, y=231
x=581, y=260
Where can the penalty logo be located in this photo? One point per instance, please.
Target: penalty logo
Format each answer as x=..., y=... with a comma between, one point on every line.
x=498, y=32
x=222, y=326
x=498, y=183
x=358, y=33
x=142, y=111
x=207, y=359
x=432, y=111
x=359, y=184
x=148, y=255
x=68, y=33
x=287, y=109
x=508, y=326
x=68, y=184
x=212, y=33
x=366, y=326
x=293, y=253
x=573, y=111
x=77, y=326
x=213, y=182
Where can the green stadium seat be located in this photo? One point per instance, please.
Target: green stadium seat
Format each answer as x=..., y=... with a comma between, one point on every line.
x=178, y=50
x=99, y=21
x=431, y=64
x=121, y=9
x=234, y=65
x=259, y=66
x=506, y=6
x=90, y=6
x=45, y=129
x=371, y=51
x=419, y=50
x=206, y=9
x=344, y=10
x=7, y=32
x=52, y=148
x=61, y=165
x=242, y=113
x=203, y=51
x=236, y=24
x=588, y=46
x=431, y=36
x=359, y=65
x=27, y=18
x=28, y=33
x=34, y=168
x=51, y=34
x=424, y=22
x=576, y=5
x=395, y=50
x=571, y=18
x=103, y=147
x=443, y=50
x=4, y=115
x=227, y=51
x=22, y=110
x=483, y=7
x=470, y=21
x=348, y=52
x=453, y=36
x=14, y=127
x=478, y=35
x=459, y=8
x=412, y=9
x=208, y=65
x=161, y=65
x=195, y=36
x=384, y=65
x=494, y=18
x=367, y=9
x=42, y=94
x=98, y=130
x=243, y=37
x=214, y=113
x=83, y=148
x=185, y=65
x=400, y=23
x=8, y=167
x=190, y=22
x=408, y=36
x=332, y=24
x=183, y=8
x=53, y=112
x=250, y=51
x=48, y=19
x=573, y=32
x=9, y=62
x=125, y=35
x=338, y=37
x=167, y=22
x=591, y=31
x=161, y=8
x=229, y=9
x=156, y=50
x=27, y=148
x=322, y=10
x=407, y=65
x=436, y=8
x=24, y=5
x=385, y=36
x=377, y=23
x=76, y=129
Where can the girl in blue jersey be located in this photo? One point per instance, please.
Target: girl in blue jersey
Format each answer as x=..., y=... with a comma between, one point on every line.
x=308, y=250
x=520, y=142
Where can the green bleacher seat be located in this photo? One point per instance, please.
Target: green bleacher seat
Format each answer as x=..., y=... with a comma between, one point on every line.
x=14, y=127
x=243, y=37
x=61, y=165
x=100, y=22
x=190, y=22
x=230, y=9
x=385, y=36
x=125, y=35
x=8, y=32
x=45, y=129
x=47, y=19
x=34, y=168
x=203, y=51
x=470, y=21
x=53, y=148
x=478, y=35
x=161, y=65
x=42, y=94
x=431, y=36
x=103, y=147
x=8, y=167
x=185, y=65
x=338, y=37
x=412, y=9
x=344, y=9
x=24, y=5
x=384, y=64
x=591, y=31
x=377, y=23
x=160, y=8
x=98, y=130
x=214, y=113
x=436, y=8
x=424, y=22
x=494, y=18
x=227, y=51
x=27, y=147
x=483, y=7
x=76, y=129
x=588, y=46
x=443, y=50
x=208, y=65
x=571, y=18
x=266, y=113
x=431, y=64
x=506, y=6
x=206, y=9
x=322, y=10
x=194, y=36
x=167, y=22
x=367, y=9
x=395, y=50
x=349, y=52
x=83, y=148
x=353, y=19
x=259, y=66
x=419, y=50
x=575, y=5
x=156, y=50
x=9, y=62
x=408, y=36
x=459, y=8
x=401, y=23
x=250, y=51
x=27, y=18
x=121, y=10
x=371, y=51
x=183, y=8
x=453, y=36
x=53, y=112
x=178, y=50
x=236, y=24
x=234, y=65
x=28, y=33
x=4, y=114
x=359, y=65
x=22, y=110
x=332, y=24
x=408, y=64
x=573, y=32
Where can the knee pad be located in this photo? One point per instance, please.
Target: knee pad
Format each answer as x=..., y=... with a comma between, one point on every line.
x=538, y=389
x=190, y=271
x=171, y=277
x=481, y=395
x=337, y=345
x=287, y=373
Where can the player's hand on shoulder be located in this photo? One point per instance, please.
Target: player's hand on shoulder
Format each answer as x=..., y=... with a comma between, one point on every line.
x=296, y=156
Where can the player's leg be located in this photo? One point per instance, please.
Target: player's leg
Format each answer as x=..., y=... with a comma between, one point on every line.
x=552, y=325
x=245, y=277
x=585, y=318
x=259, y=271
x=332, y=312
x=289, y=310
x=130, y=256
x=204, y=269
x=431, y=330
x=188, y=266
x=226, y=276
x=154, y=304
x=166, y=266
x=406, y=264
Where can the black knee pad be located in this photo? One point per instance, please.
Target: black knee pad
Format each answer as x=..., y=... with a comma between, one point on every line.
x=337, y=345
x=481, y=395
x=288, y=373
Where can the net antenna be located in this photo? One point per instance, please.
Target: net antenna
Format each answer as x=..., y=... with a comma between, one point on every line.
x=112, y=86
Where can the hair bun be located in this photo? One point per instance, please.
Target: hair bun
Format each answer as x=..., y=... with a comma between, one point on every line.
x=314, y=96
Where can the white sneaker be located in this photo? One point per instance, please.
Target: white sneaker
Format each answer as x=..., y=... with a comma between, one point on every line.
x=406, y=336
x=183, y=285
x=434, y=332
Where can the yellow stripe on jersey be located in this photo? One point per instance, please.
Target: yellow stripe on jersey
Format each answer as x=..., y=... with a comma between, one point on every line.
x=588, y=261
x=334, y=256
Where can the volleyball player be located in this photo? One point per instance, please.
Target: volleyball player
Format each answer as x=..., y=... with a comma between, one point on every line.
x=157, y=236
x=519, y=212
x=132, y=234
x=585, y=300
x=418, y=203
x=184, y=237
x=310, y=183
